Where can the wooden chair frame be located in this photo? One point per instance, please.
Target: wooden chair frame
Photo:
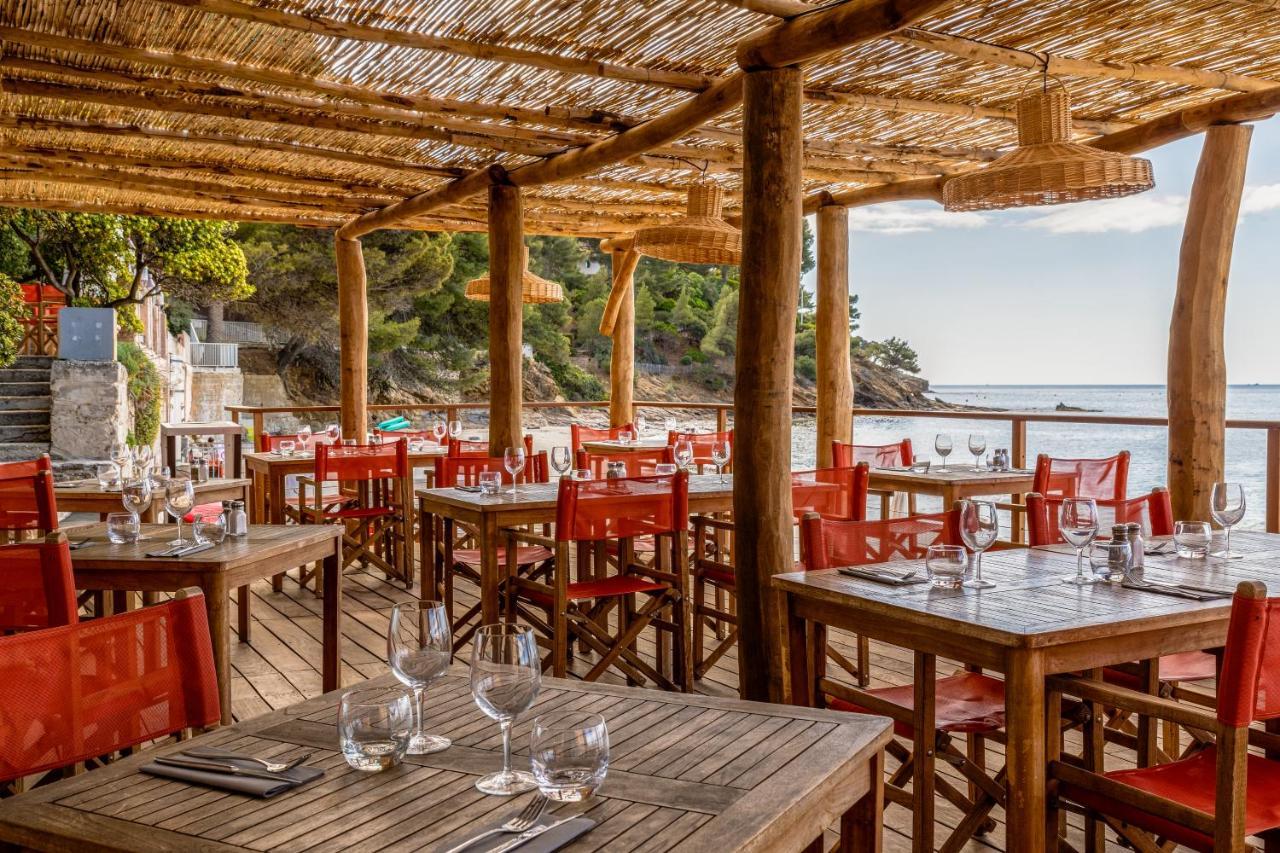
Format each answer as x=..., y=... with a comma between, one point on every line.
x=384, y=541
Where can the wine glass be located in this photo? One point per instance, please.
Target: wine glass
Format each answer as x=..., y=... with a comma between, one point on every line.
x=979, y=527
x=641, y=425
x=334, y=432
x=513, y=461
x=143, y=460
x=506, y=674
x=1078, y=524
x=977, y=446
x=684, y=453
x=455, y=430
x=179, y=499
x=304, y=436
x=942, y=444
x=120, y=456
x=135, y=496
x=439, y=429
x=1227, y=505
x=419, y=648
x=561, y=459
x=720, y=453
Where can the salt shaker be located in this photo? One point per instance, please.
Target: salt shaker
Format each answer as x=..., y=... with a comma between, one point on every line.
x=236, y=518
x=1133, y=531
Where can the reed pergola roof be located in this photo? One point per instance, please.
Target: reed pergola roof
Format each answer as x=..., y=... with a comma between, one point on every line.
x=315, y=112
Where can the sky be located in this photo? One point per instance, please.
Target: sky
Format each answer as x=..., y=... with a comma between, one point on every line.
x=1070, y=294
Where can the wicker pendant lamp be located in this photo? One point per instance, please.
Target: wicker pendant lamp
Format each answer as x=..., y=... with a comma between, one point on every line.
x=1047, y=167
x=701, y=236
x=534, y=289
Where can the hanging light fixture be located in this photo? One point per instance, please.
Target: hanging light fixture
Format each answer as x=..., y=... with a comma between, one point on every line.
x=701, y=236
x=534, y=289
x=1047, y=167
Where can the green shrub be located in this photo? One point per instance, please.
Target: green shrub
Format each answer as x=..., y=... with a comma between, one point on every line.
x=807, y=367
x=146, y=391
x=575, y=383
x=11, y=311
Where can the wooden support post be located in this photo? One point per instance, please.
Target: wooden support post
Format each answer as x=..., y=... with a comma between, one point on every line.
x=353, y=341
x=770, y=275
x=506, y=316
x=622, y=359
x=1197, y=384
x=835, y=377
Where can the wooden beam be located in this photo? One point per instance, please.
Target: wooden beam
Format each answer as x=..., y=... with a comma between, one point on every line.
x=625, y=260
x=123, y=208
x=1063, y=66
x=1253, y=106
x=506, y=316
x=770, y=278
x=417, y=205
x=926, y=189
x=831, y=28
x=835, y=376
x=320, y=25
x=777, y=8
x=353, y=339
x=1197, y=381
x=622, y=355
x=1271, y=5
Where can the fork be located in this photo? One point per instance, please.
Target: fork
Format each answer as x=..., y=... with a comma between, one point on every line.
x=223, y=755
x=521, y=822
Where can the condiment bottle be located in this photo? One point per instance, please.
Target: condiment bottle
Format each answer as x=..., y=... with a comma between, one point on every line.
x=1136, y=548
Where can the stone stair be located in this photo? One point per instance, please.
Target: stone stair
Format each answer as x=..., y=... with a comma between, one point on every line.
x=24, y=408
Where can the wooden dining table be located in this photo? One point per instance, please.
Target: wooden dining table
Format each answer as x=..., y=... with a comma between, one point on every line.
x=955, y=483
x=686, y=773
x=636, y=446
x=267, y=550
x=88, y=496
x=1029, y=626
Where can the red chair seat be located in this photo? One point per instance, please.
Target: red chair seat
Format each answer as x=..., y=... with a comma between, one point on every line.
x=967, y=703
x=1190, y=782
x=360, y=512
x=607, y=588
x=722, y=577
x=1184, y=666
x=526, y=555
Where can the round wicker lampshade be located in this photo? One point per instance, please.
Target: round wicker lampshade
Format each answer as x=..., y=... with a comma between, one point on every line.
x=701, y=236
x=1047, y=167
x=534, y=289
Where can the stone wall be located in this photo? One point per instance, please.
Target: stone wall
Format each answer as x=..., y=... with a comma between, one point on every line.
x=212, y=390
x=89, y=408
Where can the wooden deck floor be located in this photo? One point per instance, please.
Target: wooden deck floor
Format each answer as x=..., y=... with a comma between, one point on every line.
x=280, y=665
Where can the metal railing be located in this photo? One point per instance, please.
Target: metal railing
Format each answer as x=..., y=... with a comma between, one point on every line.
x=234, y=331
x=214, y=355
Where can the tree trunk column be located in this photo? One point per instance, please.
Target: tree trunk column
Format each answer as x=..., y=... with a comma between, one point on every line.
x=835, y=377
x=353, y=339
x=1197, y=383
x=770, y=278
x=216, y=333
x=622, y=358
x=506, y=316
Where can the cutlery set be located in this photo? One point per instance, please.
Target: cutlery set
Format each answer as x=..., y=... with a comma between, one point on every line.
x=218, y=761
x=183, y=551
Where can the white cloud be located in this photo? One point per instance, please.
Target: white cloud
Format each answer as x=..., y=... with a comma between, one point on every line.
x=1260, y=199
x=906, y=219
x=1141, y=212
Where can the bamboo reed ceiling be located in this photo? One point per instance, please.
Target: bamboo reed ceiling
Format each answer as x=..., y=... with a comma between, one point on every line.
x=315, y=111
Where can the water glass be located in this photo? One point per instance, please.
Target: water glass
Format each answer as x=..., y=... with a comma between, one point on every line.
x=513, y=461
x=1110, y=560
x=979, y=527
x=419, y=650
x=1078, y=524
x=582, y=474
x=1227, y=505
x=374, y=726
x=684, y=453
x=625, y=437
x=106, y=473
x=1192, y=539
x=506, y=674
x=211, y=530
x=122, y=527
x=942, y=444
x=287, y=447
x=490, y=482
x=920, y=465
x=977, y=446
x=720, y=453
x=570, y=753
x=946, y=565
x=665, y=469
x=561, y=459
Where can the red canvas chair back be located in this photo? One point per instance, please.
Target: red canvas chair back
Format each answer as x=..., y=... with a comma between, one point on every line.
x=829, y=544
x=702, y=443
x=466, y=447
x=579, y=433
x=639, y=463
x=833, y=493
x=353, y=462
x=380, y=437
x=1153, y=511
x=1249, y=686
x=876, y=455
x=466, y=470
x=625, y=507
x=37, y=586
x=1101, y=479
x=89, y=689
x=26, y=496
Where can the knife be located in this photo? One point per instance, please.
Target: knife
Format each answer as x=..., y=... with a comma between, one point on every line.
x=530, y=834
x=224, y=769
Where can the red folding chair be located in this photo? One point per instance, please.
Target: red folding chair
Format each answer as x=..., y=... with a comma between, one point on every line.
x=579, y=433
x=601, y=612
x=37, y=585
x=636, y=463
x=1217, y=797
x=27, y=503
x=897, y=455
x=1100, y=479
x=970, y=704
x=83, y=691
x=702, y=444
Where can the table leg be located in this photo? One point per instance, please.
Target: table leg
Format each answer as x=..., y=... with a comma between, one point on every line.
x=1148, y=682
x=795, y=652
x=1025, y=752
x=922, y=753
x=215, y=602
x=333, y=617
x=861, y=826
x=243, y=600
x=490, y=571
x=258, y=508
x=276, y=504
x=950, y=494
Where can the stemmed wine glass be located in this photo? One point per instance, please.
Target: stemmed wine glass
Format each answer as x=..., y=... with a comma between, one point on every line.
x=120, y=457
x=135, y=495
x=640, y=425
x=720, y=453
x=179, y=499
x=439, y=429
x=455, y=430
x=561, y=459
x=506, y=674
x=1078, y=523
x=977, y=446
x=942, y=444
x=334, y=432
x=419, y=648
x=143, y=460
x=1227, y=505
x=513, y=460
x=684, y=453
x=979, y=527
x=304, y=437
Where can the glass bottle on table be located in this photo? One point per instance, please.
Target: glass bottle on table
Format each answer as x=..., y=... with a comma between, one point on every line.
x=506, y=675
x=942, y=444
x=1078, y=524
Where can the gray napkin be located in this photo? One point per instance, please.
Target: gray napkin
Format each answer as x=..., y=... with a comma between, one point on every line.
x=252, y=786
x=547, y=842
x=882, y=577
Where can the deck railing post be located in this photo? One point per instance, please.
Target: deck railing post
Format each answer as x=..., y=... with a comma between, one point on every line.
x=1273, y=480
x=259, y=430
x=1018, y=449
x=722, y=418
